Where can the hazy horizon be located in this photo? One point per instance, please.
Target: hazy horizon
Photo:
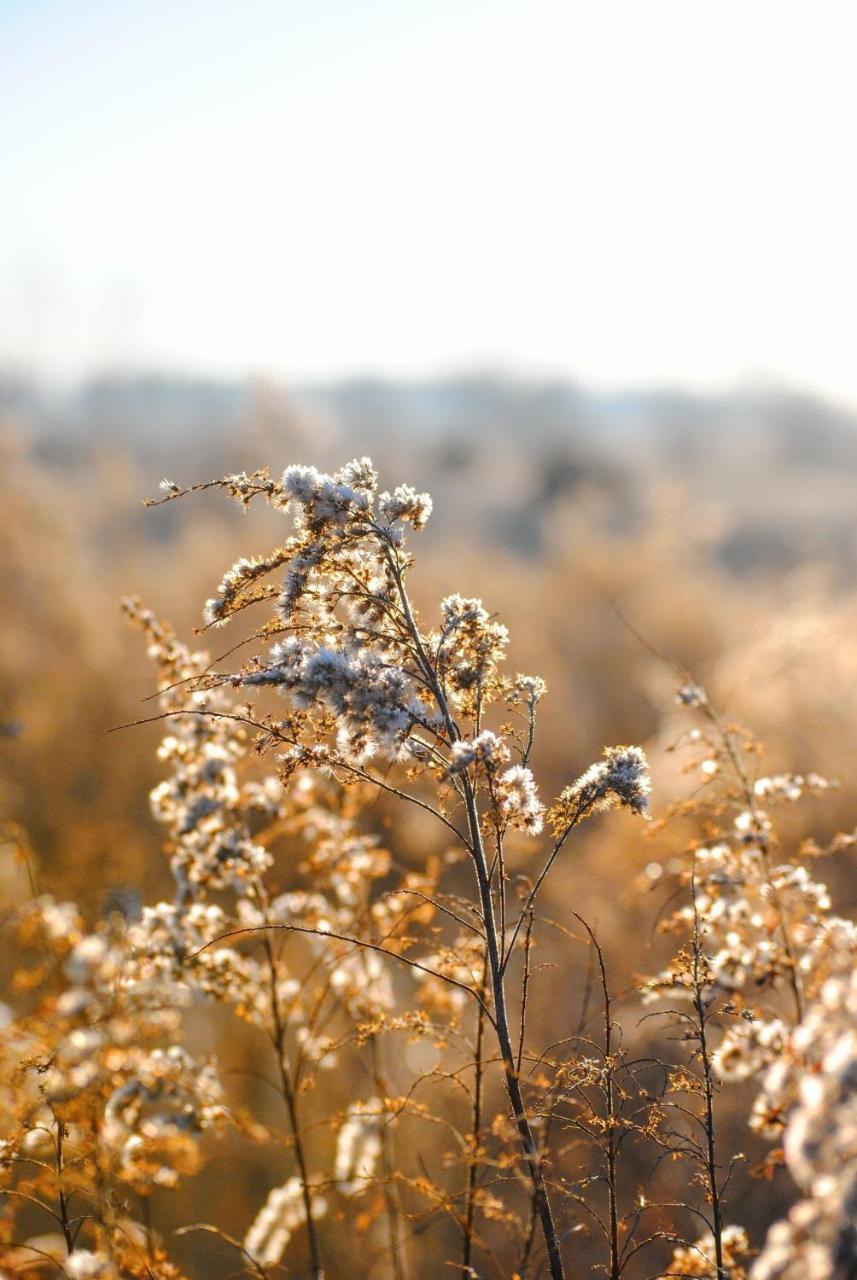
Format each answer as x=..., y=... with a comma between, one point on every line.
x=505, y=377
x=615, y=194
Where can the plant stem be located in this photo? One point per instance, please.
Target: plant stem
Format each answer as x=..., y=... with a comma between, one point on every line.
x=279, y=1038
x=750, y=800
x=532, y=1155
x=610, y=1106
x=62, y=1199
x=708, y=1083
x=473, y=1171
x=615, y=1268
x=390, y=1189
x=504, y=1041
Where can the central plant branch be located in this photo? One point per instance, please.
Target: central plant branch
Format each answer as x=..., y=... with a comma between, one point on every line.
x=495, y=961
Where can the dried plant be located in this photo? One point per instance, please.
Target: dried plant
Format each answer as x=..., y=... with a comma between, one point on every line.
x=391, y=1068
x=363, y=681
x=761, y=941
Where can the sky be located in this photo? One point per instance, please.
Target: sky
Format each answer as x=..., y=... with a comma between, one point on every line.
x=619, y=191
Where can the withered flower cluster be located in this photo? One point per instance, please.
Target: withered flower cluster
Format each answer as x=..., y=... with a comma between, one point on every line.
x=391, y=996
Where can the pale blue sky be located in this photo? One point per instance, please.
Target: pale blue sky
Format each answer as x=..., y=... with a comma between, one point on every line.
x=619, y=190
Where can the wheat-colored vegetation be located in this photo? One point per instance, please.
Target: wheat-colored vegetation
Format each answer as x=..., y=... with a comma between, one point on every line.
x=403, y=999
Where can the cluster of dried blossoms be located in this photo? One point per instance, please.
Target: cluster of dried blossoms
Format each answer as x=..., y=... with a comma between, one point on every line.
x=766, y=964
x=374, y=699
x=818, y=1240
x=312, y=1004
x=101, y=1103
x=290, y=911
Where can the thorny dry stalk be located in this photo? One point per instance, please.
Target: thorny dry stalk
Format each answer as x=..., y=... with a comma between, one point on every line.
x=290, y=911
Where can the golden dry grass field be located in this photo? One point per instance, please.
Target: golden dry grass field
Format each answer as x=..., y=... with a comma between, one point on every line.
x=333, y=945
